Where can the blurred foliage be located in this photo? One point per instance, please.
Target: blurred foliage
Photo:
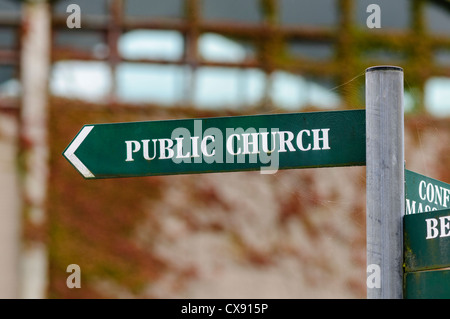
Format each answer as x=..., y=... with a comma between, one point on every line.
x=92, y=222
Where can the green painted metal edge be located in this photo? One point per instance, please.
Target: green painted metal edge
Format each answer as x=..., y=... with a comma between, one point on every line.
x=427, y=284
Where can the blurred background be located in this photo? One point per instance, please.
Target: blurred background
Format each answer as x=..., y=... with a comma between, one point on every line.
x=294, y=234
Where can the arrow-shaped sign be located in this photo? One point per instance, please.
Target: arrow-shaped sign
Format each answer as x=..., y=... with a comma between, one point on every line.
x=221, y=144
x=69, y=153
x=424, y=194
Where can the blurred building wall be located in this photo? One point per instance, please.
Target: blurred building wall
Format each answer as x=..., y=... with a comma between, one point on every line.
x=314, y=43
x=10, y=209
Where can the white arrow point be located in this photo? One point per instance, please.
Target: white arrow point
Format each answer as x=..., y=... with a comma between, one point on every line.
x=70, y=152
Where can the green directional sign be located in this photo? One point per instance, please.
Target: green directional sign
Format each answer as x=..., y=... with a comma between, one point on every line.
x=222, y=144
x=427, y=240
x=427, y=255
x=427, y=284
x=424, y=194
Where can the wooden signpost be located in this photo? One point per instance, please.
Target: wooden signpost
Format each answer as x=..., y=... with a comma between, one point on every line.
x=384, y=182
x=373, y=137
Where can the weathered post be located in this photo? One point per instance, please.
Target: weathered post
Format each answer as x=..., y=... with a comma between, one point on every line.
x=385, y=181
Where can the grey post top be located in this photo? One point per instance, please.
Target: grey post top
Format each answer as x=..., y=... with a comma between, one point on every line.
x=384, y=68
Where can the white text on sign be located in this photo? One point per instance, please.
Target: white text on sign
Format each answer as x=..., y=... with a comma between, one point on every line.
x=438, y=227
x=434, y=196
x=209, y=145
